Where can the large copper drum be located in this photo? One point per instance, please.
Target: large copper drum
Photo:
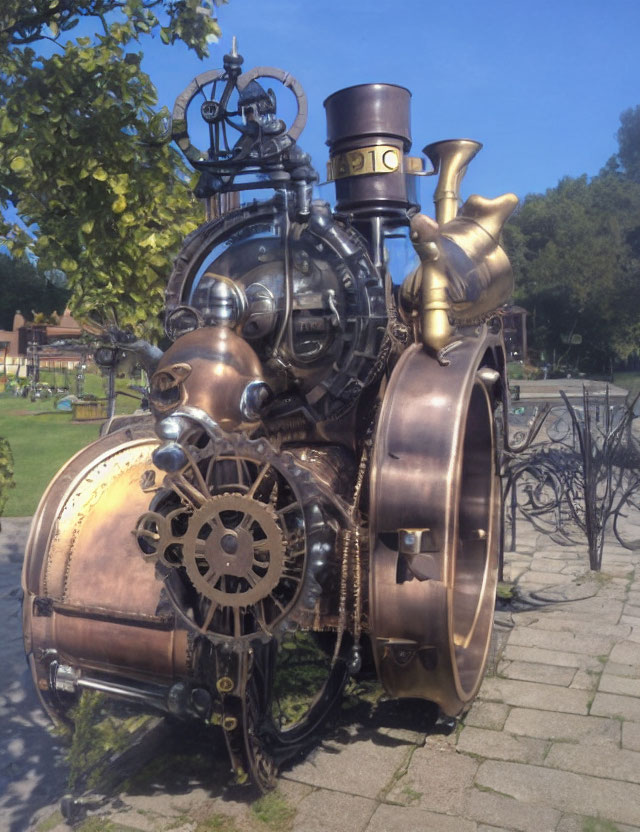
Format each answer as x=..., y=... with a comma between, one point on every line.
x=434, y=526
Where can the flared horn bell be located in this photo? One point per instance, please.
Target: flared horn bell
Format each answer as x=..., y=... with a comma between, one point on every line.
x=450, y=158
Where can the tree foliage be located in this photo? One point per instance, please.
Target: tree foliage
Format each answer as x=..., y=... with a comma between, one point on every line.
x=82, y=160
x=629, y=143
x=576, y=256
x=26, y=21
x=25, y=288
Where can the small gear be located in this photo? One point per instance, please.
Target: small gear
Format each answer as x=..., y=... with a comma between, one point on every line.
x=234, y=550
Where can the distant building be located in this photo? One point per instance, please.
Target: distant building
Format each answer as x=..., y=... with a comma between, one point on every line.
x=16, y=345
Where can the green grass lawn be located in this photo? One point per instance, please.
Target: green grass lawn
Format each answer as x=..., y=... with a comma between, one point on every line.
x=42, y=440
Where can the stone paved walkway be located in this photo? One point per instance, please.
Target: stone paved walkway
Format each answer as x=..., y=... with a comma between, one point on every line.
x=552, y=742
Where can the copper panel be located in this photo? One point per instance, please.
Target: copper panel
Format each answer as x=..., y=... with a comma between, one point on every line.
x=89, y=595
x=70, y=476
x=92, y=559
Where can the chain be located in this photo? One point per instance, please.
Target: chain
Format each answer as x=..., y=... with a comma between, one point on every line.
x=348, y=536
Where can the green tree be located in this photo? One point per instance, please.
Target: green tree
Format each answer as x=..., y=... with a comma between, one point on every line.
x=25, y=288
x=577, y=268
x=576, y=257
x=627, y=160
x=82, y=157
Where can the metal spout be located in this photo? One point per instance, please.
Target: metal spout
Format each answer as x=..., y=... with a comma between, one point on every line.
x=450, y=159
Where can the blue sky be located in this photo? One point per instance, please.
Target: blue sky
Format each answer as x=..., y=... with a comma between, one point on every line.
x=541, y=84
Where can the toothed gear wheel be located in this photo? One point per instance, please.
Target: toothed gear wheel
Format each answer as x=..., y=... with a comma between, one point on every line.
x=234, y=537
x=243, y=537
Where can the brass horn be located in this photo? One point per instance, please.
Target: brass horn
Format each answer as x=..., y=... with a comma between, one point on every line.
x=450, y=159
x=464, y=273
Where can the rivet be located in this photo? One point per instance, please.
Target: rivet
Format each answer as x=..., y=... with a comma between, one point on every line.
x=224, y=684
x=229, y=723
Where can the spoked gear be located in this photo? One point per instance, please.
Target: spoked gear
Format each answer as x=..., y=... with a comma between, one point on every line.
x=245, y=538
x=252, y=117
x=233, y=536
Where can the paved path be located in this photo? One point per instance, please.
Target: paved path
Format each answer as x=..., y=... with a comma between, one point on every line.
x=31, y=770
x=552, y=743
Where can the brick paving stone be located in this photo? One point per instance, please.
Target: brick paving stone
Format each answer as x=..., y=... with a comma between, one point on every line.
x=490, y=715
x=583, y=592
x=566, y=791
x=633, y=598
x=558, y=658
x=574, y=568
x=163, y=803
x=412, y=819
x=631, y=620
x=560, y=640
x=575, y=823
x=327, y=811
x=498, y=745
x=585, y=680
x=619, y=684
x=544, y=579
x=505, y=812
x=133, y=819
x=532, y=587
x=544, y=564
x=201, y=810
x=365, y=767
x=611, y=704
x=589, y=730
x=513, y=573
x=439, y=775
x=482, y=827
x=613, y=592
x=605, y=609
x=571, y=823
x=631, y=610
x=562, y=621
x=631, y=736
x=404, y=735
x=612, y=763
x=293, y=792
x=629, y=671
x=518, y=563
x=543, y=673
x=534, y=695
x=622, y=569
x=562, y=554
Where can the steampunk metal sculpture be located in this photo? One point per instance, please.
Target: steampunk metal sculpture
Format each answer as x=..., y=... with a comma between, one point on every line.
x=321, y=476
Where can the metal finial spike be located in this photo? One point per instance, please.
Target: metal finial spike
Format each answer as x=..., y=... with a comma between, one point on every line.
x=234, y=46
